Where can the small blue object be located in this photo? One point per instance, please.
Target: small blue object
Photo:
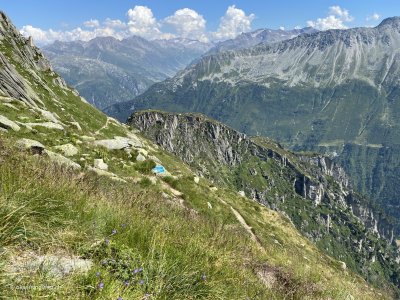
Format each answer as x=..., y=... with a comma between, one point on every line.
x=158, y=169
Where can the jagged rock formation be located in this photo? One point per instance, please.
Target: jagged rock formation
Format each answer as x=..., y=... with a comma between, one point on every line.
x=265, y=36
x=312, y=190
x=334, y=92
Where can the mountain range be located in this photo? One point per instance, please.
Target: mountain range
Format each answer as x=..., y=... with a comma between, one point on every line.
x=334, y=92
x=106, y=70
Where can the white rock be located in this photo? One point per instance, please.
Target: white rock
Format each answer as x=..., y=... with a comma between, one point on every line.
x=67, y=149
x=242, y=193
x=112, y=144
x=49, y=116
x=62, y=160
x=10, y=106
x=25, y=144
x=143, y=151
x=196, y=179
x=134, y=140
x=100, y=164
x=8, y=124
x=55, y=265
x=77, y=125
x=209, y=205
x=140, y=157
x=48, y=125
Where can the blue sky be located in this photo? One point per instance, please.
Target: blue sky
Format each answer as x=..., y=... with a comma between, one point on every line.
x=201, y=19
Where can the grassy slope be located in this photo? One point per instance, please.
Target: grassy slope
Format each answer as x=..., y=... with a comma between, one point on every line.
x=175, y=245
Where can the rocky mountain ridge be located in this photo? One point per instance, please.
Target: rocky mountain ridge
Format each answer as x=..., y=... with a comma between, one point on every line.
x=265, y=36
x=312, y=190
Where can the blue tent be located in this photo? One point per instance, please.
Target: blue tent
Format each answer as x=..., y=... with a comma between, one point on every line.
x=158, y=169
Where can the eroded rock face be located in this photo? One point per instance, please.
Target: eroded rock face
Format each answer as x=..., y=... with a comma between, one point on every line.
x=309, y=189
x=29, y=57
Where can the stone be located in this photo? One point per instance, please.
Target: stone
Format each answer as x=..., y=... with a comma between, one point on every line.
x=62, y=160
x=8, y=124
x=143, y=151
x=343, y=265
x=87, y=138
x=196, y=179
x=100, y=164
x=10, y=106
x=48, y=125
x=134, y=140
x=56, y=265
x=140, y=157
x=242, y=193
x=49, y=116
x=77, y=125
x=214, y=188
x=68, y=149
x=112, y=144
x=27, y=144
x=29, y=128
x=209, y=205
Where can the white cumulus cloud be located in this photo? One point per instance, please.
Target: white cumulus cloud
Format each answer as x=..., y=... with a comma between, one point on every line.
x=92, y=23
x=140, y=21
x=234, y=22
x=117, y=24
x=373, y=17
x=336, y=19
x=188, y=24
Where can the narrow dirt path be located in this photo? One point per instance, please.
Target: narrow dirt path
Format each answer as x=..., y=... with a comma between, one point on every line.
x=104, y=126
x=246, y=226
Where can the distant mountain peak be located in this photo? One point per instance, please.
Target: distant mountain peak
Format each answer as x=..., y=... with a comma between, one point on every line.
x=392, y=21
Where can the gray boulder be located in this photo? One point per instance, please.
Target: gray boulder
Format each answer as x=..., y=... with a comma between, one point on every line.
x=8, y=124
x=62, y=160
x=68, y=149
x=100, y=164
x=27, y=144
